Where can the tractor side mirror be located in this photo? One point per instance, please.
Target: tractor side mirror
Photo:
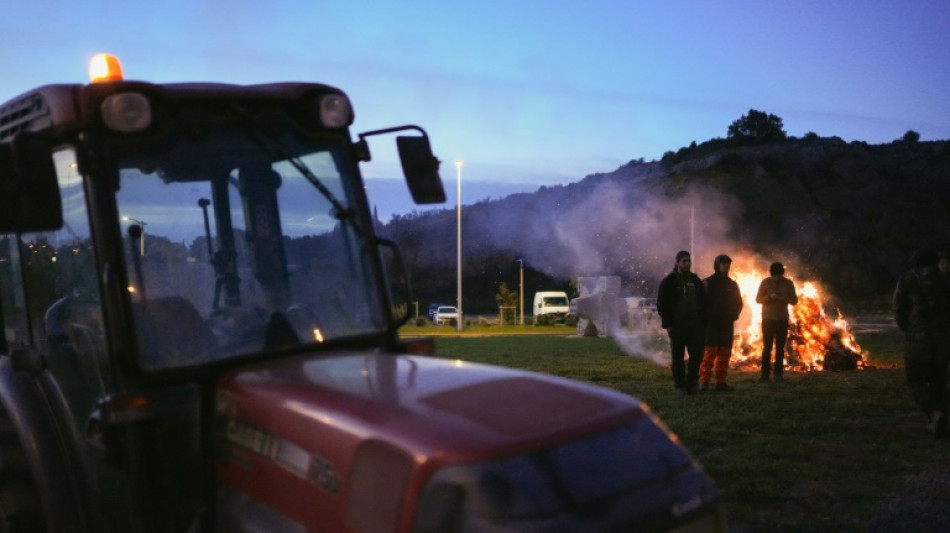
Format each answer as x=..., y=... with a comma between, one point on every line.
x=29, y=191
x=421, y=169
x=419, y=165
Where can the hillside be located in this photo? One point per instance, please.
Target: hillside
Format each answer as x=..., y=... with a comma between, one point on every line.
x=847, y=215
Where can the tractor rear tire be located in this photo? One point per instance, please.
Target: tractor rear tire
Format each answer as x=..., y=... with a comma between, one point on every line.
x=21, y=509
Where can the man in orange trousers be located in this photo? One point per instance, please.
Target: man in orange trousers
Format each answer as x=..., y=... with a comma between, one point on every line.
x=723, y=305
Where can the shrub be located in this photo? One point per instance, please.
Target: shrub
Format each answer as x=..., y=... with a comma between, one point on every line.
x=549, y=319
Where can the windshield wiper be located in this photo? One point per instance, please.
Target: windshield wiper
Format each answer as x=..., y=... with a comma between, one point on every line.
x=277, y=151
x=340, y=212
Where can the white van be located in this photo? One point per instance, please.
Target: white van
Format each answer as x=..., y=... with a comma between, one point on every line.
x=551, y=302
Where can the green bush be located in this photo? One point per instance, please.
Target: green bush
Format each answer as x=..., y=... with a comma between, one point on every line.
x=549, y=319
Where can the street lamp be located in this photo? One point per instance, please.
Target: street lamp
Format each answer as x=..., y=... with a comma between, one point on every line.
x=692, y=232
x=521, y=287
x=142, y=224
x=458, y=167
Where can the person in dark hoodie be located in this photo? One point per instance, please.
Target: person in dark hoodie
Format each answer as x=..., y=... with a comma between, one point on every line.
x=681, y=304
x=775, y=293
x=921, y=314
x=723, y=305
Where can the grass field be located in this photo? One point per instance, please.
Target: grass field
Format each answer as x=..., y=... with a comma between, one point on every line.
x=824, y=451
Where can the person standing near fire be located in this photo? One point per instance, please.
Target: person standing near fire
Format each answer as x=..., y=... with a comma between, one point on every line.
x=775, y=293
x=723, y=305
x=681, y=304
x=920, y=310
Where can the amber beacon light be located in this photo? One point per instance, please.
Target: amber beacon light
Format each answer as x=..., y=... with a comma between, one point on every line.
x=104, y=67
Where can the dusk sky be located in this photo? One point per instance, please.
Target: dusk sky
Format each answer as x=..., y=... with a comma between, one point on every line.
x=529, y=93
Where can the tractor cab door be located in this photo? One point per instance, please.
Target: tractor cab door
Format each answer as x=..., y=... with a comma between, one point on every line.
x=54, y=331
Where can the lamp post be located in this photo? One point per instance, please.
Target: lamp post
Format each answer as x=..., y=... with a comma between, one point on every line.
x=458, y=167
x=142, y=224
x=521, y=288
x=692, y=233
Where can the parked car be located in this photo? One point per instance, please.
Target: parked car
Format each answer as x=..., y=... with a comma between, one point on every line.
x=640, y=313
x=551, y=303
x=444, y=314
x=648, y=305
x=432, y=309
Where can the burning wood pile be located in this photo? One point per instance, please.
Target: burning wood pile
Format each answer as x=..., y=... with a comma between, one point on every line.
x=815, y=340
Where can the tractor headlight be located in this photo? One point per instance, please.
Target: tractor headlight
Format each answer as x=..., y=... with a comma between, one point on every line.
x=335, y=111
x=126, y=112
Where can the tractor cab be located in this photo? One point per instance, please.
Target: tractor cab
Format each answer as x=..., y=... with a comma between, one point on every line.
x=154, y=236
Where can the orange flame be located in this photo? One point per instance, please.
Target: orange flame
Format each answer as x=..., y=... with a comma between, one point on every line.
x=815, y=341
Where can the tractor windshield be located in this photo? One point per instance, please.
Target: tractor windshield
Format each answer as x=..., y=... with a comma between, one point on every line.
x=239, y=240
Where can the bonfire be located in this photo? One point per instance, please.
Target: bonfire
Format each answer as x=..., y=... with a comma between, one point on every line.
x=815, y=340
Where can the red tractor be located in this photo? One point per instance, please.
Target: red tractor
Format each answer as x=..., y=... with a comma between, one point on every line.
x=201, y=334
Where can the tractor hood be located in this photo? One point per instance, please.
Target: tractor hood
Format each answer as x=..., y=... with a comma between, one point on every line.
x=356, y=441
x=430, y=406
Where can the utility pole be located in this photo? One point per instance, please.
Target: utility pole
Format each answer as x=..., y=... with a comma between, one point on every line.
x=692, y=231
x=521, y=287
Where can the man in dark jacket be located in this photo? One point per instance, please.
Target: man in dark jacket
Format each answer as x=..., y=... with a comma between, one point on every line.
x=723, y=305
x=775, y=293
x=920, y=312
x=681, y=304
